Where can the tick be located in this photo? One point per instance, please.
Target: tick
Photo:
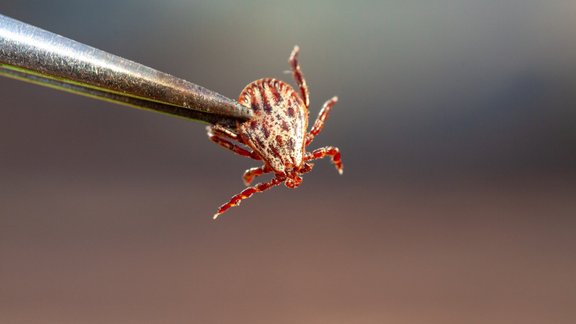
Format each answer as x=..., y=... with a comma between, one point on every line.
x=276, y=134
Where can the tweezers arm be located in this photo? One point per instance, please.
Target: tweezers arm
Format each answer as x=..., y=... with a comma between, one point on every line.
x=28, y=52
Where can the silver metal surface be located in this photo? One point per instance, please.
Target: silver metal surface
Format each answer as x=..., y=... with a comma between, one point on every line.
x=35, y=55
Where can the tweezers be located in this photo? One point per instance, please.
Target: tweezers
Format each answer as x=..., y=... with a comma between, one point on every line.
x=32, y=54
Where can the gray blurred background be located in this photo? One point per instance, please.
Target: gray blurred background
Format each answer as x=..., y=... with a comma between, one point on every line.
x=457, y=125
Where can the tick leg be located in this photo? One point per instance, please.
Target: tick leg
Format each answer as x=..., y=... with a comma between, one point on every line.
x=251, y=173
x=247, y=193
x=223, y=131
x=218, y=135
x=307, y=167
x=298, y=76
x=331, y=151
x=319, y=123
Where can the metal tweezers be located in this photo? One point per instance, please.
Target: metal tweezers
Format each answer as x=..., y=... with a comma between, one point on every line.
x=32, y=54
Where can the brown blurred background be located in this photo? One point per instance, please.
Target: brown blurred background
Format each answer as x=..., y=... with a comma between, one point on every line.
x=457, y=124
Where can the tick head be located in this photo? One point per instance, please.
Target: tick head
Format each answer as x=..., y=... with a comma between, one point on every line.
x=293, y=180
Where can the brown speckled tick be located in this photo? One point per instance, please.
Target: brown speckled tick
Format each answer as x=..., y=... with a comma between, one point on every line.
x=276, y=134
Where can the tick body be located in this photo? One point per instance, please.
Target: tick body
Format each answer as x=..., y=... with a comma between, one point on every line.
x=276, y=134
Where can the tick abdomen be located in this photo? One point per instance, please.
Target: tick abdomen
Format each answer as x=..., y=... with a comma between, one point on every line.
x=277, y=131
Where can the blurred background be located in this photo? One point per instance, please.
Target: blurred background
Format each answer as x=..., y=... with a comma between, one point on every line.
x=457, y=125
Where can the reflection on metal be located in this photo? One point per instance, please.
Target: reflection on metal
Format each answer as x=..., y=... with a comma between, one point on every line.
x=31, y=54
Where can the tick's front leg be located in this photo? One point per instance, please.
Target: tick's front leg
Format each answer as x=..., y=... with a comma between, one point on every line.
x=247, y=193
x=251, y=173
x=319, y=123
x=331, y=151
x=218, y=135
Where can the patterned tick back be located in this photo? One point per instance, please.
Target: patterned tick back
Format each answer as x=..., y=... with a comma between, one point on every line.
x=278, y=128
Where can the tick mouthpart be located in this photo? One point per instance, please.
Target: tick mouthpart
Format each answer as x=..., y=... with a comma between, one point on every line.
x=293, y=180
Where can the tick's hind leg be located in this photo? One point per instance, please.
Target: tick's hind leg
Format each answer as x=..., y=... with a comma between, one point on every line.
x=298, y=76
x=247, y=193
x=319, y=123
x=331, y=151
x=219, y=135
x=251, y=173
